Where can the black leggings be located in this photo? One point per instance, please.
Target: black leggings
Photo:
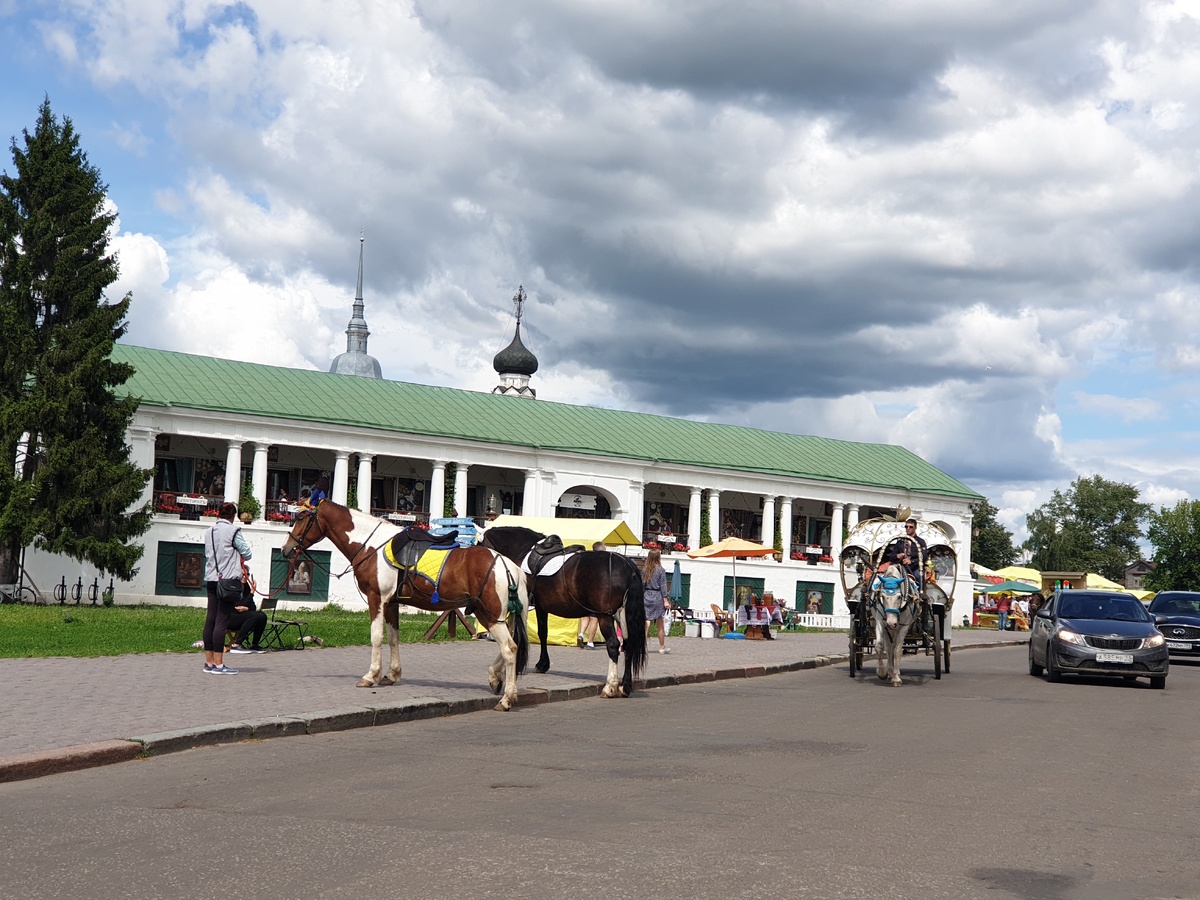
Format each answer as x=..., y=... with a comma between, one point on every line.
x=247, y=622
x=214, y=622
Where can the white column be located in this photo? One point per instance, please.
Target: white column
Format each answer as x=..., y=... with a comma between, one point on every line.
x=851, y=515
x=460, y=490
x=364, y=482
x=694, y=518
x=835, y=531
x=964, y=584
x=529, y=498
x=437, y=490
x=233, y=471
x=636, y=515
x=768, y=521
x=714, y=514
x=341, y=476
x=785, y=526
x=143, y=455
x=258, y=476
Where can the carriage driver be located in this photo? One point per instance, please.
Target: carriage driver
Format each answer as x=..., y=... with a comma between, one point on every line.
x=909, y=551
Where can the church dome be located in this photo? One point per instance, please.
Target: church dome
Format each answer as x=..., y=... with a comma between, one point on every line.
x=515, y=359
x=355, y=362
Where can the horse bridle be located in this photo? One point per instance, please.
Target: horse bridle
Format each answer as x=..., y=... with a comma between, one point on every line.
x=351, y=563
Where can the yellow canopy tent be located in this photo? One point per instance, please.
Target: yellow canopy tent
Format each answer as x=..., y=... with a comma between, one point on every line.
x=613, y=532
x=981, y=571
x=1021, y=573
x=1099, y=582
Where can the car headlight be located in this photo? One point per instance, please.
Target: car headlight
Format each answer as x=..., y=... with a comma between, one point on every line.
x=1154, y=641
x=1070, y=637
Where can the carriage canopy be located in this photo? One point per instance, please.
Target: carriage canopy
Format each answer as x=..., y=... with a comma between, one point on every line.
x=868, y=543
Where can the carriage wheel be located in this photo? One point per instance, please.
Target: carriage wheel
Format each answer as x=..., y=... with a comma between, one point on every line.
x=937, y=647
x=945, y=643
x=855, y=660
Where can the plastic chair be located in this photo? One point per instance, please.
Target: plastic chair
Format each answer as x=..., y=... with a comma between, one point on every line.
x=721, y=619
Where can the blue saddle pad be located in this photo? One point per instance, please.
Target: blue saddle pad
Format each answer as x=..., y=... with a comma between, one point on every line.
x=734, y=636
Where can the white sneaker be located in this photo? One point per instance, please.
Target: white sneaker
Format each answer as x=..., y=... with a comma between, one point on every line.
x=664, y=649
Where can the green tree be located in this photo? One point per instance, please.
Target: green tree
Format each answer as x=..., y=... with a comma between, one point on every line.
x=67, y=484
x=991, y=542
x=1092, y=527
x=1175, y=536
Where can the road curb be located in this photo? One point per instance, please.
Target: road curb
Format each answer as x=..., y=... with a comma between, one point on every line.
x=67, y=759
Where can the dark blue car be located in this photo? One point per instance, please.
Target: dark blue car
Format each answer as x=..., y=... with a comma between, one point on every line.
x=1097, y=633
x=1177, y=615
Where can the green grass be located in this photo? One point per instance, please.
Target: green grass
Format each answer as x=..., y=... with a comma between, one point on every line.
x=39, y=631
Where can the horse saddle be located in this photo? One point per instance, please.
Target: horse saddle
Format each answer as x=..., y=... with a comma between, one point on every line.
x=407, y=548
x=548, y=555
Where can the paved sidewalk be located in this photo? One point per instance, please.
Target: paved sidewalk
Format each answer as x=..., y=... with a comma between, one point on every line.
x=65, y=713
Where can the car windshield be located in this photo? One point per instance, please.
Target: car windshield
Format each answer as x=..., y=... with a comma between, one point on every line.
x=1174, y=606
x=1125, y=609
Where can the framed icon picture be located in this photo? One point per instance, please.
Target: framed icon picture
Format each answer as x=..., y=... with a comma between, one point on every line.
x=189, y=570
x=300, y=580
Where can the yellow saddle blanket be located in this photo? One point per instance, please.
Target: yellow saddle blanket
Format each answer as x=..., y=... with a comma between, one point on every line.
x=430, y=563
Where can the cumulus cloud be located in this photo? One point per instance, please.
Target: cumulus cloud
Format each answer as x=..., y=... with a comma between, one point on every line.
x=939, y=225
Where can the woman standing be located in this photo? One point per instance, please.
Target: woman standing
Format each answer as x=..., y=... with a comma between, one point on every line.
x=224, y=550
x=654, y=577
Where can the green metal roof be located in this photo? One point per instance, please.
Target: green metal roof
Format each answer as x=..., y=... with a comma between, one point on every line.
x=169, y=379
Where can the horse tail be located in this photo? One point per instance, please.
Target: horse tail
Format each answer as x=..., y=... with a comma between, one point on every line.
x=519, y=619
x=635, y=623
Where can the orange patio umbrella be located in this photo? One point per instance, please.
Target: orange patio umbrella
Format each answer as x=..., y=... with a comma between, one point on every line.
x=731, y=548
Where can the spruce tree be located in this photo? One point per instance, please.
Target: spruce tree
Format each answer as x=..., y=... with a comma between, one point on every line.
x=67, y=484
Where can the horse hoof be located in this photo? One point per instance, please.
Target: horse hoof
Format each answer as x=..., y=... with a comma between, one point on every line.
x=497, y=686
x=503, y=706
x=387, y=681
x=626, y=691
x=542, y=669
x=607, y=692
x=365, y=683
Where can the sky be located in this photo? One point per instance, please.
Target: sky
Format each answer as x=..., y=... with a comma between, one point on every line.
x=968, y=229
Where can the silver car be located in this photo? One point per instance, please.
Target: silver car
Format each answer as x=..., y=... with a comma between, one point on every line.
x=1097, y=633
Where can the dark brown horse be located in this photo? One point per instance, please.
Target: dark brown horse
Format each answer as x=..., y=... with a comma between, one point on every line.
x=476, y=578
x=590, y=583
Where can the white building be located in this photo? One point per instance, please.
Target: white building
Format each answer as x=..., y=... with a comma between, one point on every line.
x=207, y=425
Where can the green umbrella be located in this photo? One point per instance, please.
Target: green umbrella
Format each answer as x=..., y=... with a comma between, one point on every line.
x=1012, y=587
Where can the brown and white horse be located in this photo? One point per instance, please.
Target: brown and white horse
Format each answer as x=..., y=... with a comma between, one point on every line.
x=476, y=578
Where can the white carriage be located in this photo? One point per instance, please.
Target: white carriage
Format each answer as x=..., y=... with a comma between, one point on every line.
x=928, y=585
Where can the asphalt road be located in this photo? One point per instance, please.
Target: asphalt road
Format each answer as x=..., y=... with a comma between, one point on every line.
x=988, y=783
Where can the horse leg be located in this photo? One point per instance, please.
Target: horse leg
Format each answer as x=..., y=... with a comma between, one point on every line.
x=881, y=648
x=543, y=619
x=897, y=652
x=612, y=645
x=371, y=679
x=391, y=617
x=507, y=658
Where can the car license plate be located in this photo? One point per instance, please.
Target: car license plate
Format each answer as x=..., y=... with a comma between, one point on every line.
x=1178, y=645
x=1126, y=658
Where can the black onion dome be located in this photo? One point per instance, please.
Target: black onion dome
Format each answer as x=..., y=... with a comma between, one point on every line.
x=515, y=359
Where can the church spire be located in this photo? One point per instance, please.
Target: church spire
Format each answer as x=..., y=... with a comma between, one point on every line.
x=515, y=363
x=356, y=360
